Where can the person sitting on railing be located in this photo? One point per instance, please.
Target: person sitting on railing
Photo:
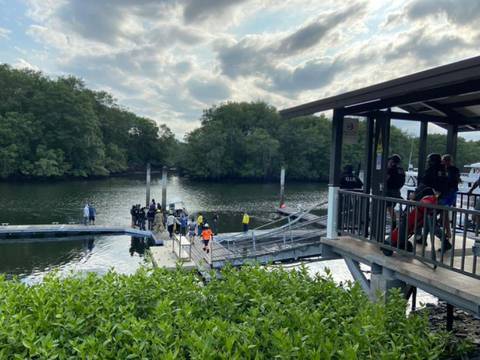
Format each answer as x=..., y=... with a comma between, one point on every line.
x=207, y=235
x=394, y=182
x=348, y=180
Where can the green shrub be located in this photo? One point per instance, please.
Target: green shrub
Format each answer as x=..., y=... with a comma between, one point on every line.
x=248, y=313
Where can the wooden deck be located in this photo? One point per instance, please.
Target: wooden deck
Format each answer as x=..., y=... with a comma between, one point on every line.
x=459, y=289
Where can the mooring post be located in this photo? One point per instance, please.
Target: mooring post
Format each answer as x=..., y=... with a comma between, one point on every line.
x=164, y=188
x=282, y=187
x=449, y=317
x=148, y=185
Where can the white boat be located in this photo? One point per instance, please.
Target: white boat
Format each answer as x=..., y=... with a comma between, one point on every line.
x=468, y=178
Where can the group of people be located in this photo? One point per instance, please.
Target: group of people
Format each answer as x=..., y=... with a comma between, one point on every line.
x=89, y=214
x=441, y=178
x=142, y=216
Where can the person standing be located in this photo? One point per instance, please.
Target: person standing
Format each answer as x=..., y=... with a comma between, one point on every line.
x=450, y=198
x=183, y=224
x=158, y=222
x=215, y=224
x=245, y=221
x=394, y=182
x=191, y=230
x=207, y=236
x=199, y=224
x=348, y=180
x=92, y=213
x=171, y=221
x=86, y=214
x=151, y=216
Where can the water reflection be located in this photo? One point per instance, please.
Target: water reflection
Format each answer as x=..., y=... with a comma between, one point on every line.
x=137, y=245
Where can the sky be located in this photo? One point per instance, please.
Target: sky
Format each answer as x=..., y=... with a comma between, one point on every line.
x=171, y=59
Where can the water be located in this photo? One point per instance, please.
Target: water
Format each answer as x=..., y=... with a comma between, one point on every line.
x=44, y=203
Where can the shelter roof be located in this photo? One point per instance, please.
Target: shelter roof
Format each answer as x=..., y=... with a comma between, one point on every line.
x=444, y=95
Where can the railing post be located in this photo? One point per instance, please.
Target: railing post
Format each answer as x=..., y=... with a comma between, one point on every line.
x=254, y=243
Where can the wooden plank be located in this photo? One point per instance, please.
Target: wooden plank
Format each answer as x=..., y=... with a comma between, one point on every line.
x=442, y=279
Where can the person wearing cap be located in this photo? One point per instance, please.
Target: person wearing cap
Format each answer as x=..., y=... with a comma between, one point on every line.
x=394, y=182
x=207, y=235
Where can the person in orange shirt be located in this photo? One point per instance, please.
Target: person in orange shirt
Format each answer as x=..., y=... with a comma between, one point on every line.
x=207, y=235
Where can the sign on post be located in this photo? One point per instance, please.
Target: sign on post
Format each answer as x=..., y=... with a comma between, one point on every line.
x=350, y=131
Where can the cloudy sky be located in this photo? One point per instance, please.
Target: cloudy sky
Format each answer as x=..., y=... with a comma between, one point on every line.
x=170, y=59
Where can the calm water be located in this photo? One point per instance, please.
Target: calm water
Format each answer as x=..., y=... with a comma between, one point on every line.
x=44, y=203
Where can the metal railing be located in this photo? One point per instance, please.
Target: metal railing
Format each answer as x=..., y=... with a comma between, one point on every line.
x=177, y=239
x=296, y=232
x=421, y=230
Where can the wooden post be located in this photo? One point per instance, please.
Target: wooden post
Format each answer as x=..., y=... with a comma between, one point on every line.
x=164, y=188
x=148, y=185
x=282, y=187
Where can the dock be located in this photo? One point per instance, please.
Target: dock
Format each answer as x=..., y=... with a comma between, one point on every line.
x=10, y=232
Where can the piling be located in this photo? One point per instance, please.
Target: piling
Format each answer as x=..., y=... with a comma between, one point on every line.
x=282, y=187
x=148, y=184
x=164, y=188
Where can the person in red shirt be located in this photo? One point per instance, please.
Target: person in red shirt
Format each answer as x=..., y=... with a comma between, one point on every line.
x=207, y=235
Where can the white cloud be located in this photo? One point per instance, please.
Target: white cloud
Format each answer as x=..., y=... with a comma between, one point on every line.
x=4, y=33
x=24, y=64
x=170, y=59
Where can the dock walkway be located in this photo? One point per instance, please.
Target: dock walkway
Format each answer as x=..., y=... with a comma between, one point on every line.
x=457, y=289
x=66, y=230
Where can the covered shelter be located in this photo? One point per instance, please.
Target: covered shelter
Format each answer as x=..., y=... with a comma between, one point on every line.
x=448, y=96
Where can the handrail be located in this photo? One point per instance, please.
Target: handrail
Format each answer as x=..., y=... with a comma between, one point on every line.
x=409, y=202
x=298, y=216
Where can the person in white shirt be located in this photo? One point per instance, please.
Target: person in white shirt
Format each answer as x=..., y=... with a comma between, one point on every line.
x=86, y=214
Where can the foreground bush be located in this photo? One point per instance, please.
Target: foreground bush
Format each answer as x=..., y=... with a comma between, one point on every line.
x=251, y=313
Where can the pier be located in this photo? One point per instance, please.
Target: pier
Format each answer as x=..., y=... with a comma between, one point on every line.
x=10, y=232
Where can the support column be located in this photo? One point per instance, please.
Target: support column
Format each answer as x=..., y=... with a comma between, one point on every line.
x=148, y=185
x=422, y=149
x=282, y=187
x=335, y=168
x=452, y=137
x=367, y=179
x=382, y=280
x=164, y=189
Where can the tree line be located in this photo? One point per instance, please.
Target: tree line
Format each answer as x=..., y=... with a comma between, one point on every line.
x=251, y=141
x=59, y=128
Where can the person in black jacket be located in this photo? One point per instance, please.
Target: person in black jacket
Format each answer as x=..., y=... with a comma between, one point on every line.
x=436, y=178
x=394, y=182
x=349, y=180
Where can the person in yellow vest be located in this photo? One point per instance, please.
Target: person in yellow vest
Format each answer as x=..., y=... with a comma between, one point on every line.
x=245, y=221
x=199, y=224
x=207, y=236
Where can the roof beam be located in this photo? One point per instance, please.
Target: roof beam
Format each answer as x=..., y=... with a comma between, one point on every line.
x=414, y=97
x=396, y=115
x=454, y=115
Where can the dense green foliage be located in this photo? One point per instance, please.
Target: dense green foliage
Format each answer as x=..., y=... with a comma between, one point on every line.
x=249, y=313
x=251, y=141
x=248, y=140
x=54, y=128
